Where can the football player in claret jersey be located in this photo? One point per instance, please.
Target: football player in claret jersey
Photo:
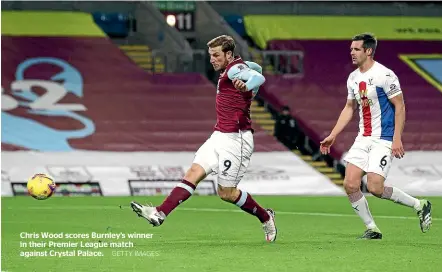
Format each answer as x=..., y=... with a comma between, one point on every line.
x=228, y=150
x=377, y=91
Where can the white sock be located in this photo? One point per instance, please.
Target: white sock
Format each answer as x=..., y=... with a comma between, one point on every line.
x=399, y=196
x=360, y=206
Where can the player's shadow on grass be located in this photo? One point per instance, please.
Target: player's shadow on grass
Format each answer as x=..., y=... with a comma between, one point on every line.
x=341, y=235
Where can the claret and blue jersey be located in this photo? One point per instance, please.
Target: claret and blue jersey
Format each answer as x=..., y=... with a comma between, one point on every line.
x=233, y=106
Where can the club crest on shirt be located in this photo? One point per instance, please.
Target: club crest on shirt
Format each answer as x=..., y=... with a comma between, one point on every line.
x=363, y=94
x=363, y=98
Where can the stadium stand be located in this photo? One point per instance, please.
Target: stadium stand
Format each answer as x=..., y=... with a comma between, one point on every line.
x=101, y=107
x=139, y=111
x=116, y=25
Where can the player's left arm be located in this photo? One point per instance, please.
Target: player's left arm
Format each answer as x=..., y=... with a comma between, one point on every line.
x=394, y=93
x=252, y=78
x=399, y=115
x=254, y=66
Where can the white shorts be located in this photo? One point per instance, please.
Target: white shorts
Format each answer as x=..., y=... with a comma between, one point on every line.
x=226, y=154
x=371, y=155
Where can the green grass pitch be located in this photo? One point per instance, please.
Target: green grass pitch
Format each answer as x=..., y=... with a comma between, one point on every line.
x=206, y=234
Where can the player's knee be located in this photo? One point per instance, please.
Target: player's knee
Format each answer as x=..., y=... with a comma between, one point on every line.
x=352, y=181
x=351, y=185
x=227, y=194
x=195, y=174
x=375, y=184
x=375, y=189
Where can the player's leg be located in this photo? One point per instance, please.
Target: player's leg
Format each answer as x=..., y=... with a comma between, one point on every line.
x=234, y=158
x=379, y=166
x=205, y=159
x=183, y=190
x=357, y=159
x=352, y=184
x=243, y=200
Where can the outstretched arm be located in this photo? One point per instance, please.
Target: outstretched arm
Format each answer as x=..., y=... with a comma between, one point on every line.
x=344, y=117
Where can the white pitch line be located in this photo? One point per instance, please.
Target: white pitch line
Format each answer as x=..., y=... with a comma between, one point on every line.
x=308, y=214
x=116, y=207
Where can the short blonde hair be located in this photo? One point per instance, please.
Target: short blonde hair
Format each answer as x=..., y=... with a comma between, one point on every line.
x=226, y=42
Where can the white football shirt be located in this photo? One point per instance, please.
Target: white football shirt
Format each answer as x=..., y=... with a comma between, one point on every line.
x=372, y=90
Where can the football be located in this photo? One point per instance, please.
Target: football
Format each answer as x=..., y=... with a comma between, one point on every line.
x=41, y=186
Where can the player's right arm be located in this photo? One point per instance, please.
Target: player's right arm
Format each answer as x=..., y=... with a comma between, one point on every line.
x=344, y=117
x=343, y=120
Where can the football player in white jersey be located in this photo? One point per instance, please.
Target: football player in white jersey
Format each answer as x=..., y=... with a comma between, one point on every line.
x=377, y=91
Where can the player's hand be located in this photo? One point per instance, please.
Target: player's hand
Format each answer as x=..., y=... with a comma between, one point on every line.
x=240, y=85
x=326, y=144
x=397, y=149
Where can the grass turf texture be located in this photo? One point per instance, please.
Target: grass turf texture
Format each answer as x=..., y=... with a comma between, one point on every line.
x=314, y=234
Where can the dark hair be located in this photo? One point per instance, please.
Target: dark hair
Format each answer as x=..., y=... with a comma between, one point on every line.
x=369, y=41
x=226, y=42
